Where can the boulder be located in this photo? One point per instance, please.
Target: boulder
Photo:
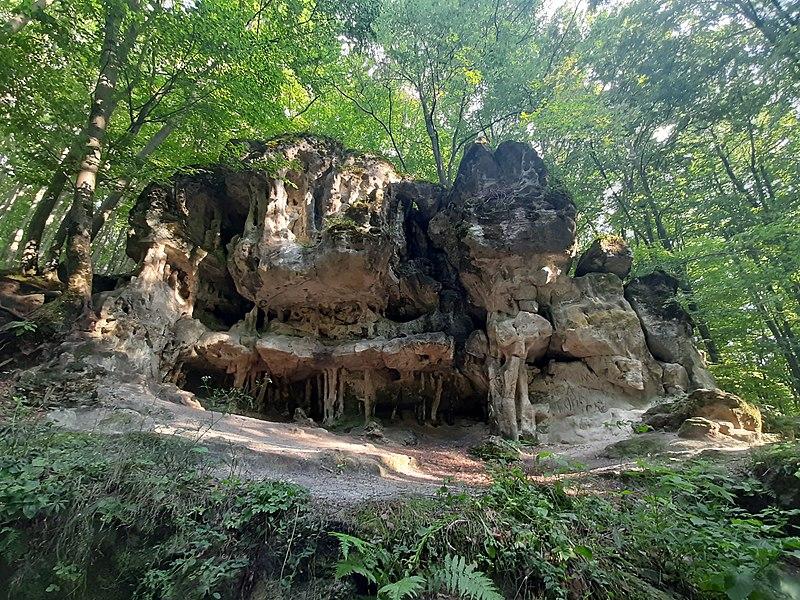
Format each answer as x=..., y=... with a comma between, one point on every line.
x=609, y=254
x=698, y=428
x=722, y=406
x=734, y=417
x=667, y=326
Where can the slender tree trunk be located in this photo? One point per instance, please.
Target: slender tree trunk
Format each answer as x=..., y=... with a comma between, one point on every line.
x=19, y=20
x=702, y=324
x=79, y=238
x=110, y=202
x=10, y=197
x=32, y=238
x=433, y=134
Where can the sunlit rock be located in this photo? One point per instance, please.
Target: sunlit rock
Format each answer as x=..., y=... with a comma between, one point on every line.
x=318, y=282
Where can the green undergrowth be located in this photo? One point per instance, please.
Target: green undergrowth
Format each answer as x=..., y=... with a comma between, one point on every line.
x=668, y=534
x=140, y=516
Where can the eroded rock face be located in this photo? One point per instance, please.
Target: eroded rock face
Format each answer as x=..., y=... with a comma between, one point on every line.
x=608, y=254
x=667, y=326
x=507, y=228
x=318, y=279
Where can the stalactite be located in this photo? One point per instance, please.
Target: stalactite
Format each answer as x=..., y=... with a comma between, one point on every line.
x=526, y=415
x=340, y=396
x=239, y=375
x=262, y=391
x=320, y=394
x=422, y=410
x=329, y=401
x=369, y=396
x=437, y=397
x=284, y=394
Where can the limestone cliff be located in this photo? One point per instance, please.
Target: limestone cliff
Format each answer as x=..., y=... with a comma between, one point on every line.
x=317, y=278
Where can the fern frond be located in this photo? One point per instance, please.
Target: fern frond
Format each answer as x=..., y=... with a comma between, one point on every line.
x=457, y=577
x=408, y=587
x=354, y=564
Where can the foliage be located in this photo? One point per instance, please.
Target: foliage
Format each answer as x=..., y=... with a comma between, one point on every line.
x=496, y=449
x=775, y=421
x=676, y=531
x=19, y=328
x=145, y=516
x=778, y=467
x=138, y=515
x=226, y=399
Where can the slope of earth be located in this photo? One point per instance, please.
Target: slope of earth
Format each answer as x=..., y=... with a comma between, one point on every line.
x=404, y=459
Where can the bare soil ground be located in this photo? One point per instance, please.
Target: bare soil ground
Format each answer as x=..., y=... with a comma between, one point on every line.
x=345, y=468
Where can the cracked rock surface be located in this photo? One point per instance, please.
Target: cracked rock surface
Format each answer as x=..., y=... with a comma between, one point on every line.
x=315, y=278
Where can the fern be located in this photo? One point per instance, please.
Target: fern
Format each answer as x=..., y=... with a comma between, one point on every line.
x=354, y=564
x=359, y=557
x=457, y=577
x=408, y=587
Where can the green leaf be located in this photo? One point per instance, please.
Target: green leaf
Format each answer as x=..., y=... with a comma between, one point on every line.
x=408, y=587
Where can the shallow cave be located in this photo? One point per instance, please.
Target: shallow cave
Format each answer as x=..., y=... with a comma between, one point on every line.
x=200, y=380
x=219, y=306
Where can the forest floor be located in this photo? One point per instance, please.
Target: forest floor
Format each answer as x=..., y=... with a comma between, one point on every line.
x=349, y=466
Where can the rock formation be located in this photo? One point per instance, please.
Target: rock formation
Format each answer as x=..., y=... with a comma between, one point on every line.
x=609, y=254
x=319, y=279
x=707, y=413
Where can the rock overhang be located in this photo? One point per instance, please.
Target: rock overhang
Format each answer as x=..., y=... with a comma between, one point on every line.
x=348, y=285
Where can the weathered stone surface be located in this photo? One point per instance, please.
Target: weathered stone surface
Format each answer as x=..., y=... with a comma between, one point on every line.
x=609, y=254
x=723, y=406
x=733, y=416
x=675, y=378
x=507, y=227
x=320, y=282
x=698, y=428
x=667, y=327
x=594, y=323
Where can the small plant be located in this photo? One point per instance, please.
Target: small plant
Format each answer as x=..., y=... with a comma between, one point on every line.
x=375, y=564
x=636, y=426
x=496, y=449
x=20, y=328
x=547, y=461
x=226, y=400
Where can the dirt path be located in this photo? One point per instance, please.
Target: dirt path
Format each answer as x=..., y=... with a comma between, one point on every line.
x=409, y=459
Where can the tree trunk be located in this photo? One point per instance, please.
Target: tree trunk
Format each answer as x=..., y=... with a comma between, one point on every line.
x=433, y=134
x=32, y=238
x=79, y=239
x=111, y=201
x=697, y=315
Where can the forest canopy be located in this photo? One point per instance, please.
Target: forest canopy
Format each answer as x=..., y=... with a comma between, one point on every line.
x=674, y=124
